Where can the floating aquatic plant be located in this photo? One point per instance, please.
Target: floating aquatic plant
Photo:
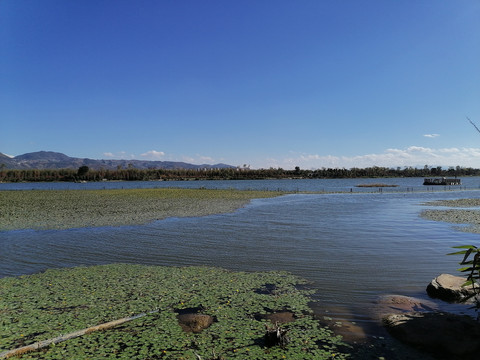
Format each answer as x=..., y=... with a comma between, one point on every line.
x=63, y=209
x=42, y=306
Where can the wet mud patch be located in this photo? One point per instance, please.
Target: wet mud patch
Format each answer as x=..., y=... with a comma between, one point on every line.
x=192, y=320
x=280, y=317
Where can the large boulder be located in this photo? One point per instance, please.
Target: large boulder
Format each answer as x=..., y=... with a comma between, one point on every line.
x=449, y=288
x=445, y=335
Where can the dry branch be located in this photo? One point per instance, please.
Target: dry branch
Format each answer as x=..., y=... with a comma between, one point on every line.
x=43, y=344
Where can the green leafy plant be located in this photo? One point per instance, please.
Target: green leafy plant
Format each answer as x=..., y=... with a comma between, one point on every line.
x=56, y=302
x=471, y=258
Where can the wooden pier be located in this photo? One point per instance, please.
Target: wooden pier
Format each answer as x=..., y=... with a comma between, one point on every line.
x=441, y=181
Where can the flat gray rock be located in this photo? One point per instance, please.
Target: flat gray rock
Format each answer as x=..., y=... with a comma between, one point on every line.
x=399, y=304
x=449, y=288
x=445, y=335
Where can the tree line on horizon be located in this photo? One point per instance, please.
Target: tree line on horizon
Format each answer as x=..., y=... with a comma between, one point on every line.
x=131, y=174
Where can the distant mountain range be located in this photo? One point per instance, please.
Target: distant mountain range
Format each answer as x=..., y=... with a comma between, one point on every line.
x=54, y=160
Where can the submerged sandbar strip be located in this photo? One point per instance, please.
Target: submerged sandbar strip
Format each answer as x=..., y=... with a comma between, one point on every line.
x=64, y=209
x=455, y=215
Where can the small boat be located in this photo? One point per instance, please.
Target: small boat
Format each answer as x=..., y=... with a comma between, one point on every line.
x=441, y=181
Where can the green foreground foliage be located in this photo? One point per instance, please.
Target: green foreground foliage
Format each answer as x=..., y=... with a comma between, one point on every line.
x=59, y=301
x=471, y=258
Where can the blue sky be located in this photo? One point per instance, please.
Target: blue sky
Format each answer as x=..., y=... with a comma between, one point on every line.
x=269, y=83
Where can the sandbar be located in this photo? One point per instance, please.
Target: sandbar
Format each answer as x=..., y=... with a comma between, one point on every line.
x=458, y=212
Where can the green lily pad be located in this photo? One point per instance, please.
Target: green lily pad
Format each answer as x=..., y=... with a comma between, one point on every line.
x=60, y=301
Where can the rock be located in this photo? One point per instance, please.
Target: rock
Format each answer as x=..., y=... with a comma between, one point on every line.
x=399, y=304
x=445, y=335
x=449, y=288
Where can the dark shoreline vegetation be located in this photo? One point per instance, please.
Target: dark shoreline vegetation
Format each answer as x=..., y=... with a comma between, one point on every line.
x=63, y=209
x=240, y=305
x=132, y=174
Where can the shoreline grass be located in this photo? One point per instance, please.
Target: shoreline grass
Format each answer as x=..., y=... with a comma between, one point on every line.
x=64, y=209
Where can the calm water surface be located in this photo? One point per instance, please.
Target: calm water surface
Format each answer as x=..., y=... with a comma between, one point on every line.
x=352, y=247
x=326, y=185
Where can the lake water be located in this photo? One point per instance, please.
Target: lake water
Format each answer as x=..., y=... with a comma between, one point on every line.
x=353, y=247
x=319, y=185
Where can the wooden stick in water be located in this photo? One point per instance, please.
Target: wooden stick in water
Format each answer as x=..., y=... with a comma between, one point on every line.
x=43, y=344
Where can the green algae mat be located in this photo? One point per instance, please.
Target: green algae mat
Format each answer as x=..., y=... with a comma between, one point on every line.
x=239, y=306
x=63, y=209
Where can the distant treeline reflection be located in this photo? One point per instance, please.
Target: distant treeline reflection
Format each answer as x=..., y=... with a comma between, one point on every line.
x=132, y=174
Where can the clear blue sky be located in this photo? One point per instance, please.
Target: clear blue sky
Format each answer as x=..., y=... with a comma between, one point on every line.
x=269, y=83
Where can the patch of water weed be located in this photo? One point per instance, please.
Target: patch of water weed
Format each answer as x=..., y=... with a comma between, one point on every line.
x=58, y=301
x=64, y=209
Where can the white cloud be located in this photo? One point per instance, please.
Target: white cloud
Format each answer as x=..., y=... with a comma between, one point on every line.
x=119, y=155
x=450, y=151
x=419, y=149
x=188, y=159
x=414, y=156
x=206, y=159
x=153, y=155
x=431, y=135
x=198, y=159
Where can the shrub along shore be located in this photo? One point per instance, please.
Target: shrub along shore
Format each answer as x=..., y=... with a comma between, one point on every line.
x=63, y=209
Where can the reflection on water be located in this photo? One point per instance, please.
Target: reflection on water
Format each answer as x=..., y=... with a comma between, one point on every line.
x=352, y=247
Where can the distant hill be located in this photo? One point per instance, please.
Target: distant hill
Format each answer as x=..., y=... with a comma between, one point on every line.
x=6, y=161
x=54, y=160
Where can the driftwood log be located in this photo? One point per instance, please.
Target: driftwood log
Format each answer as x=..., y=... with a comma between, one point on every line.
x=43, y=344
